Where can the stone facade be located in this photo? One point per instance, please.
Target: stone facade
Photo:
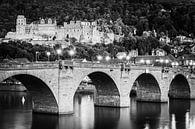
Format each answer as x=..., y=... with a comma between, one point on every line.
x=48, y=30
x=53, y=86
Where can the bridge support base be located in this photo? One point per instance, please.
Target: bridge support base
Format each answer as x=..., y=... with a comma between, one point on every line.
x=45, y=110
x=107, y=101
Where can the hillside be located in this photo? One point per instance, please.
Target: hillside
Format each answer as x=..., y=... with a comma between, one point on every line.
x=142, y=15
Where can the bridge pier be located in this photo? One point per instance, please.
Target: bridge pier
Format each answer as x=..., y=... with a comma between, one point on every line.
x=53, y=85
x=66, y=90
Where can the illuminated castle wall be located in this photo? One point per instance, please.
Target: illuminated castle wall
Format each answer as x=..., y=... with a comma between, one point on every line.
x=47, y=29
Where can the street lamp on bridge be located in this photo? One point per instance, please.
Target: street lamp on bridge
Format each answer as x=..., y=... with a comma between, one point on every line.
x=36, y=56
x=48, y=55
x=71, y=53
x=107, y=58
x=99, y=57
x=59, y=52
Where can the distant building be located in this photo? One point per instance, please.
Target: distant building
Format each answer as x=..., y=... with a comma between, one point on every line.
x=47, y=30
x=153, y=60
x=124, y=55
x=133, y=53
x=165, y=39
x=121, y=55
x=193, y=50
x=159, y=52
x=184, y=39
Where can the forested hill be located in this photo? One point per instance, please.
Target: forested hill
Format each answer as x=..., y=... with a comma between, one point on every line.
x=143, y=14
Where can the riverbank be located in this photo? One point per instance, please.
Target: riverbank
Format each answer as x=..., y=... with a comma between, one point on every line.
x=86, y=89
x=12, y=87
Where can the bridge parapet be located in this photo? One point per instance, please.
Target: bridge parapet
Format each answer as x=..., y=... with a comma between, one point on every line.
x=88, y=64
x=95, y=65
x=39, y=65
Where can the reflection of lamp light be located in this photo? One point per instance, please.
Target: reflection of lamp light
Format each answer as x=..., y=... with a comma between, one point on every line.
x=107, y=58
x=48, y=54
x=59, y=52
x=99, y=57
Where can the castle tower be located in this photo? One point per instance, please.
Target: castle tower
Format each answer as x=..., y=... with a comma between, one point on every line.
x=49, y=21
x=20, y=24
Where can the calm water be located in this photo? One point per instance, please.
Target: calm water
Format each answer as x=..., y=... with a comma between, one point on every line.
x=14, y=114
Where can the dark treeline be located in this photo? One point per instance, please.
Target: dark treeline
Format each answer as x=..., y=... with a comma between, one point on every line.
x=21, y=49
x=143, y=14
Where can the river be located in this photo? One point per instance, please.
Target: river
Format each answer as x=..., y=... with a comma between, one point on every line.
x=17, y=114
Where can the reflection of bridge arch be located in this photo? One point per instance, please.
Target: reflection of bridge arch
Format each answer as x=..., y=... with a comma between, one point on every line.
x=179, y=87
x=43, y=97
x=147, y=88
x=107, y=91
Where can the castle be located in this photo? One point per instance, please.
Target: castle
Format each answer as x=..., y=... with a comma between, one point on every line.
x=47, y=30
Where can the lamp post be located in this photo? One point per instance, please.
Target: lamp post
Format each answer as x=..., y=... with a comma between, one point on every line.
x=59, y=52
x=166, y=62
x=128, y=58
x=142, y=61
x=107, y=58
x=36, y=56
x=48, y=55
x=191, y=63
x=175, y=64
x=99, y=58
x=147, y=62
x=71, y=53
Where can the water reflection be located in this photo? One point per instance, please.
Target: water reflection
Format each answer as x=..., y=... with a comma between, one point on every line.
x=106, y=118
x=40, y=121
x=178, y=110
x=145, y=115
x=14, y=114
x=178, y=114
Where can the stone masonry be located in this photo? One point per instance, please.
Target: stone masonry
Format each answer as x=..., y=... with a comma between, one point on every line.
x=53, y=85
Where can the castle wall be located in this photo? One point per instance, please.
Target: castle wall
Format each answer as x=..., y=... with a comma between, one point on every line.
x=85, y=32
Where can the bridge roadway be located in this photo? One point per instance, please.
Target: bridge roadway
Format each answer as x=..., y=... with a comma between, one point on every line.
x=52, y=85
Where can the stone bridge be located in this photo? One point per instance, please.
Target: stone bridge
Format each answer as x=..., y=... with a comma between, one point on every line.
x=52, y=85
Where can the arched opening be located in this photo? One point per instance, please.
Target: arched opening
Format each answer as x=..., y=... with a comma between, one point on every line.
x=146, y=88
x=104, y=88
x=107, y=93
x=97, y=89
x=179, y=88
x=43, y=100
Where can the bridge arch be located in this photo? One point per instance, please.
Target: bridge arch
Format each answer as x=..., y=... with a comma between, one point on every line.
x=179, y=87
x=146, y=88
x=43, y=99
x=107, y=93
